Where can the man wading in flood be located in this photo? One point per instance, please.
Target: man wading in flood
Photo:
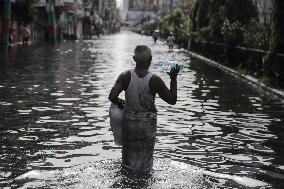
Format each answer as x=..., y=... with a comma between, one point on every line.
x=140, y=114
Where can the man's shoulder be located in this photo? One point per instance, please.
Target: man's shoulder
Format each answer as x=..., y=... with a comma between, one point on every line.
x=125, y=76
x=155, y=79
x=125, y=73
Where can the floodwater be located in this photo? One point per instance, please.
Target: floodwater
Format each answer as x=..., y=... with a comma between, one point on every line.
x=55, y=133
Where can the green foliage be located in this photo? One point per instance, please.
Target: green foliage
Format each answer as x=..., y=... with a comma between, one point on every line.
x=215, y=25
x=165, y=25
x=230, y=21
x=202, y=14
x=208, y=19
x=215, y=6
x=149, y=27
x=177, y=20
x=276, y=38
x=173, y=22
x=193, y=15
x=254, y=37
x=176, y=15
x=240, y=10
x=186, y=28
x=242, y=70
x=234, y=22
x=277, y=35
x=199, y=14
x=232, y=32
x=217, y=18
x=264, y=79
x=205, y=33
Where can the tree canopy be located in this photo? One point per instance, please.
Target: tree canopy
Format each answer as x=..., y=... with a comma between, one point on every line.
x=277, y=35
x=240, y=10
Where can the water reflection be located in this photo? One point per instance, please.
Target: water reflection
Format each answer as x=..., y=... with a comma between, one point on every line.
x=55, y=126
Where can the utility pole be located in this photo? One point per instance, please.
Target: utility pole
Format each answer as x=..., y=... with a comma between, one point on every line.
x=51, y=22
x=4, y=33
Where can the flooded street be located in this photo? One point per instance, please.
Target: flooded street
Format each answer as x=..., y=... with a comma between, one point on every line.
x=55, y=133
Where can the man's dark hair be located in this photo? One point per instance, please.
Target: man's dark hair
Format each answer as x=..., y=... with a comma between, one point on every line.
x=142, y=54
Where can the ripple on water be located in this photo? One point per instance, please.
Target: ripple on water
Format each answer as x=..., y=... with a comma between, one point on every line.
x=68, y=99
x=6, y=104
x=28, y=138
x=56, y=121
x=43, y=109
x=24, y=112
x=108, y=174
x=57, y=94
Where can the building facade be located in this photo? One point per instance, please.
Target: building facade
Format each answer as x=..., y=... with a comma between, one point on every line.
x=106, y=13
x=99, y=7
x=142, y=5
x=140, y=9
x=68, y=17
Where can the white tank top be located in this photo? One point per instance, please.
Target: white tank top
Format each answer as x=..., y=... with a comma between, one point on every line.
x=139, y=101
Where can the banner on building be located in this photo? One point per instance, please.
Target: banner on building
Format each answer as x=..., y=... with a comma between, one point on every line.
x=141, y=5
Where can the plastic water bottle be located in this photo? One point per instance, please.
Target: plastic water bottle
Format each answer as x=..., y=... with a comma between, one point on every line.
x=166, y=66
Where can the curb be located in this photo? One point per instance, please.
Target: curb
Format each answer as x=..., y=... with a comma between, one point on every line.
x=249, y=79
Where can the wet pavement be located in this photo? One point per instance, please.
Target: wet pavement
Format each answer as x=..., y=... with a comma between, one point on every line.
x=54, y=124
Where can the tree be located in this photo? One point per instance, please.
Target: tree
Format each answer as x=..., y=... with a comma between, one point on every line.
x=265, y=14
x=216, y=15
x=176, y=19
x=277, y=35
x=202, y=15
x=240, y=10
x=200, y=19
x=215, y=6
x=272, y=66
x=193, y=15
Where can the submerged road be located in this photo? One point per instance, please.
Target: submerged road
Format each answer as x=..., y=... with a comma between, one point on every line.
x=54, y=124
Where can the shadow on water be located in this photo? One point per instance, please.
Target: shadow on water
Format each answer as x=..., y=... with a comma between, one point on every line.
x=54, y=124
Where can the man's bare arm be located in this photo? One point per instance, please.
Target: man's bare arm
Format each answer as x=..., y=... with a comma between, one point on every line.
x=159, y=87
x=116, y=90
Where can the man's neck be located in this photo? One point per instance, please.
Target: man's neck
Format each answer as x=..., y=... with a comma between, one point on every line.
x=141, y=72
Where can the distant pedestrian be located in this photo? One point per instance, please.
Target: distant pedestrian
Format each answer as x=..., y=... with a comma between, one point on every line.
x=171, y=41
x=155, y=35
x=91, y=31
x=25, y=35
x=10, y=36
x=139, y=124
